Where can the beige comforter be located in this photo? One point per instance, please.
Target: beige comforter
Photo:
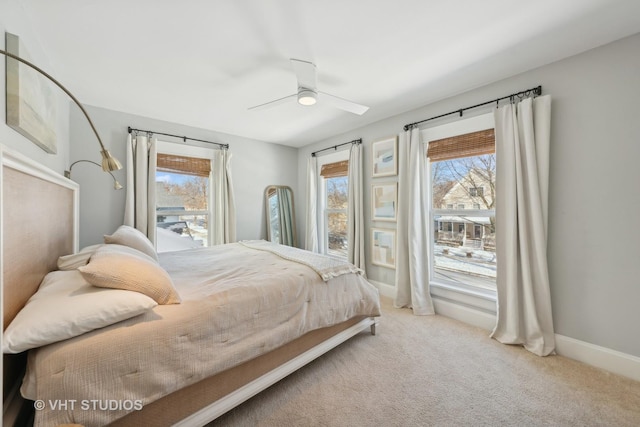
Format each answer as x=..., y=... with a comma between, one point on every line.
x=238, y=303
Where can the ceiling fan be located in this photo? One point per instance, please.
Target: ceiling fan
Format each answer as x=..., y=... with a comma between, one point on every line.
x=308, y=94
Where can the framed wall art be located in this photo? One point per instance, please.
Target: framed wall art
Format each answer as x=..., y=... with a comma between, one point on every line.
x=385, y=157
x=31, y=99
x=384, y=200
x=383, y=247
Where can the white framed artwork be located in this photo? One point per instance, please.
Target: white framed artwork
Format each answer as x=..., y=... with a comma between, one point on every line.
x=385, y=157
x=384, y=201
x=383, y=247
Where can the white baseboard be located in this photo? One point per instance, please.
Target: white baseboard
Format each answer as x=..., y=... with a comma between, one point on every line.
x=601, y=357
x=465, y=314
x=591, y=354
x=388, y=291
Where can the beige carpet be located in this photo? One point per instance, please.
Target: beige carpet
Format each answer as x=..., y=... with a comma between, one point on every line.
x=435, y=371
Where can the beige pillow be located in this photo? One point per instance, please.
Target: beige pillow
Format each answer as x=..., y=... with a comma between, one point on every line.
x=112, y=266
x=129, y=236
x=73, y=261
x=66, y=306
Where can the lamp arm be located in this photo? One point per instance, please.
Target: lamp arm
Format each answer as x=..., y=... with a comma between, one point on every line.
x=67, y=173
x=109, y=163
x=80, y=161
x=47, y=75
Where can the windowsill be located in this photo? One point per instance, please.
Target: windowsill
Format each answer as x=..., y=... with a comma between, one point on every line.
x=470, y=296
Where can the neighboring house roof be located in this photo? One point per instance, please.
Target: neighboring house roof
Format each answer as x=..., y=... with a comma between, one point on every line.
x=458, y=194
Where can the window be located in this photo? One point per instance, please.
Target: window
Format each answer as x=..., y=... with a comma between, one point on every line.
x=333, y=183
x=184, y=201
x=463, y=173
x=476, y=191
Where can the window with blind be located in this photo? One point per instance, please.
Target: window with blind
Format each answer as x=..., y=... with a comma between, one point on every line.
x=333, y=183
x=183, y=197
x=463, y=182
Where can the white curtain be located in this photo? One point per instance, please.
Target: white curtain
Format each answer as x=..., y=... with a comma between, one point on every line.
x=355, y=209
x=311, y=222
x=413, y=226
x=522, y=153
x=140, y=204
x=224, y=227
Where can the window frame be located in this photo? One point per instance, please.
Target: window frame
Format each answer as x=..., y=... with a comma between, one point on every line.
x=323, y=212
x=469, y=295
x=179, y=149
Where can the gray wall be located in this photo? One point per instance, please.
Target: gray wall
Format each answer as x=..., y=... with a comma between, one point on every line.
x=12, y=20
x=594, y=176
x=254, y=165
x=593, y=248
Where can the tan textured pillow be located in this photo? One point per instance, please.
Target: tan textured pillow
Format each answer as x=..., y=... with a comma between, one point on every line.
x=129, y=236
x=114, y=267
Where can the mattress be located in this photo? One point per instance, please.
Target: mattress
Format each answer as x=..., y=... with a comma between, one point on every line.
x=238, y=303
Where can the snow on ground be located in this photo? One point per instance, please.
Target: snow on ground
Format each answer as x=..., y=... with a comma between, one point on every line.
x=481, y=263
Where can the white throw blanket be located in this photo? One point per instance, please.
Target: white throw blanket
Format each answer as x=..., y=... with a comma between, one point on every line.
x=326, y=266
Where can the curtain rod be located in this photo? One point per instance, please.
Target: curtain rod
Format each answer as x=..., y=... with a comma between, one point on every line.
x=335, y=147
x=536, y=91
x=184, y=138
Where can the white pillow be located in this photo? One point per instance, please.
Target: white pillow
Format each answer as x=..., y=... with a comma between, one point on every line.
x=66, y=306
x=122, y=267
x=134, y=238
x=73, y=261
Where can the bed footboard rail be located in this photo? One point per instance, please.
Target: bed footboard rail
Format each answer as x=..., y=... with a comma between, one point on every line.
x=230, y=401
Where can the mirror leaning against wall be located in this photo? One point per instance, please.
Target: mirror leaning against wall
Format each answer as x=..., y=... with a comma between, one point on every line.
x=281, y=222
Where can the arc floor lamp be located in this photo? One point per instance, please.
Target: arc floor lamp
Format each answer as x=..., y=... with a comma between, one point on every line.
x=109, y=163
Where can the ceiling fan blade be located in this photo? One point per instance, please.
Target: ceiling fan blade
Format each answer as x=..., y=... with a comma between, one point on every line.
x=306, y=73
x=343, y=104
x=274, y=103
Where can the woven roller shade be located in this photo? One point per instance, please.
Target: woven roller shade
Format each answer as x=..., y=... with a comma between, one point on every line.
x=185, y=165
x=333, y=170
x=469, y=144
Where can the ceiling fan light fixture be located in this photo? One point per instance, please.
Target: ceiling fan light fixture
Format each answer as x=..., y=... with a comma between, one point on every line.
x=307, y=97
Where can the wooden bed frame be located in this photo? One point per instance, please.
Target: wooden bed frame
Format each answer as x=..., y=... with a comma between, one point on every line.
x=39, y=223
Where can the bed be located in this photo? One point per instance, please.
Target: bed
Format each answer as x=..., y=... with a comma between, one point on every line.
x=258, y=313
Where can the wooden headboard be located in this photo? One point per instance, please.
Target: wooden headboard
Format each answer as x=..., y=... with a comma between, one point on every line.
x=38, y=223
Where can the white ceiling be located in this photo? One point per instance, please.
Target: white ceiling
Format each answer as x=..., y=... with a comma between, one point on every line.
x=202, y=63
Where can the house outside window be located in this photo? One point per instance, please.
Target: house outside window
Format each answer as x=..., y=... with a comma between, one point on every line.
x=333, y=192
x=184, y=199
x=462, y=164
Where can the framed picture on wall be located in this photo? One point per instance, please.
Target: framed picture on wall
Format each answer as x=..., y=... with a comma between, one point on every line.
x=383, y=247
x=384, y=200
x=31, y=100
x=385, y=157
